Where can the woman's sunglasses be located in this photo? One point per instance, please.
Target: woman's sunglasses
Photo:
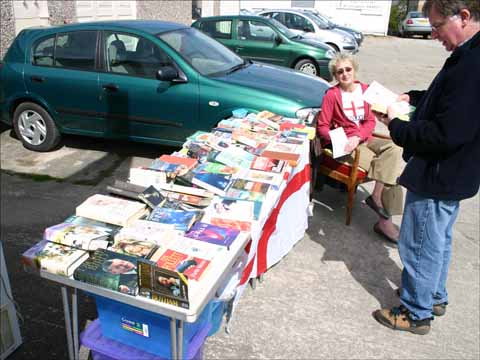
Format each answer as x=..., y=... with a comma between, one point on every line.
x=342, y=70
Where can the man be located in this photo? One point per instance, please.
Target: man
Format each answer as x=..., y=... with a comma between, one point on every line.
x=441, y=145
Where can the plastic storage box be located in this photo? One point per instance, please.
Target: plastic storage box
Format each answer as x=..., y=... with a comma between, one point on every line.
x=143, y=329
x=103, y=348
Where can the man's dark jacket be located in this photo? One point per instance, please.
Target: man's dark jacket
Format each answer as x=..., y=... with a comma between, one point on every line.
x=441, y=143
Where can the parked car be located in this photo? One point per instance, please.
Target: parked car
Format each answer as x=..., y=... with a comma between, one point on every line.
x=308, y=25
x=266, y=40
x=358, y=36
x=415, y=23
x=148, y=81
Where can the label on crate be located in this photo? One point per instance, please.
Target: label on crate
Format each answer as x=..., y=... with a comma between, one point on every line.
x=135, y=326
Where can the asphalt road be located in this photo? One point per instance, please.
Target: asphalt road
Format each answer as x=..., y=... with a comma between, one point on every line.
x=316, y=303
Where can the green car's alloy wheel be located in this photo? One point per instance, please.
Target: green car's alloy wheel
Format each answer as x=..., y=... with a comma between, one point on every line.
x=35, y=128
x=307, y=66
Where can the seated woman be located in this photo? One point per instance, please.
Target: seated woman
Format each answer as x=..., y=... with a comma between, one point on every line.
x=343, y=106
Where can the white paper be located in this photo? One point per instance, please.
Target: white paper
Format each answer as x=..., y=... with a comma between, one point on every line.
x=339, y=140
x=379, y=95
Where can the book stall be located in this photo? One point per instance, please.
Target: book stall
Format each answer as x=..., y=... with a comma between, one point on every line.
x=167, y=253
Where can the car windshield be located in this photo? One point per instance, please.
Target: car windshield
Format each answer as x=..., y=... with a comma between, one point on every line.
x=282, y=28
x=319, y=21
x=203, y=53
x=416, y=15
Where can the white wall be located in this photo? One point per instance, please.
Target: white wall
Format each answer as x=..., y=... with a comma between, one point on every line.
x=368, y=16
x=229, y=7
x=208, y=8
x=30, y=13
x=92, y=10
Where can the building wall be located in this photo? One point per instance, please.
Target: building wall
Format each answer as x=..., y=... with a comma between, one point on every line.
x=7, y=26
x=169, y=10
x=61, y=12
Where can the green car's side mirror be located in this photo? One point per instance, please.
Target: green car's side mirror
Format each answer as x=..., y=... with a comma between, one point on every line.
x=278, y=39
x=167, y=73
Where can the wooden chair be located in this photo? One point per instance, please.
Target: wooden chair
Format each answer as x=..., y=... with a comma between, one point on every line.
x=351, y=175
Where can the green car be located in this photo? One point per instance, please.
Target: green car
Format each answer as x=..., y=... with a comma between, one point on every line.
x=148, y=81
x=267, y=40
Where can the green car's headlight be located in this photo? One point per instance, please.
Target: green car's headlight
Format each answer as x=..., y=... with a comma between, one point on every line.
x=330, y=54
x=307, y=114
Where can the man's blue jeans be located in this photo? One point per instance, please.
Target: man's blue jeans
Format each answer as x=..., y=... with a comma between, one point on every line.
x=425, y=247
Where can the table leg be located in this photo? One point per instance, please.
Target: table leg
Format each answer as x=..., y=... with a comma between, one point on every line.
x=180, y=340
x=68, y=324
x=173, y=338
x=75, y=324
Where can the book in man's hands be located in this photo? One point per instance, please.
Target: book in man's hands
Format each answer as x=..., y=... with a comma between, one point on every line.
x=162, y=285
x=109, y=270
x=53, y=258
x=380, y=98
x=112, y=210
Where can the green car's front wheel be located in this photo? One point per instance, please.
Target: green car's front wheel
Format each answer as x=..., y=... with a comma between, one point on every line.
x=35, y=127
x=307, y=66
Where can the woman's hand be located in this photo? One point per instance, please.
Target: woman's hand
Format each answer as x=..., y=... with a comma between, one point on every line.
x=352, y=143
x=404, y=97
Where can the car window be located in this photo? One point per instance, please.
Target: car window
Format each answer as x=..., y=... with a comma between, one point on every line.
x=43, y=51
x=297, y=22
x=217, y=29
x=254, y=30
x=76, y=50
x=321, y=23
x=133, y=55
x=203, y=53
x=416, y=15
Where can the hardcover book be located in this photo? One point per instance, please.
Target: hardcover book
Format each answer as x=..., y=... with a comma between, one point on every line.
x=162, y=285
x=110, y=270
x=213, y=234
x=53, y=258
x=181, y=219
x=79, y=236
x=111, y=209
x=215, y=183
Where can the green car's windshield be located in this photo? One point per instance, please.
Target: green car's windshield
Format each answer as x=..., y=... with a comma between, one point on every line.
x=203, y=53
x=282, y=28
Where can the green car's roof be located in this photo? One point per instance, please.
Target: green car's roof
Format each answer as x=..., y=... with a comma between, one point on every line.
x=229, y=17
x=149, y=26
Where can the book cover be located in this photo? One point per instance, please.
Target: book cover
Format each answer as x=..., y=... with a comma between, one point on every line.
x=133, y=247
x=84, y=237
x=187, y=256
x=188, y=162
x=185, y=190
x=215, y=168
x=215, y=183
x=249, y=185
x=197, y=201
x=181, y=219
x=151, y=231
x=212, y=234
x=145, y=176
x=53, y=258
x=162, y=285
x=236, y=209
x=111, y=209
x=281, y=151
x=268, y=164
x=260, y=176
x=234, y=224
x=245, y=195
x=235, y=157
x=110, y=270
x=152, y=197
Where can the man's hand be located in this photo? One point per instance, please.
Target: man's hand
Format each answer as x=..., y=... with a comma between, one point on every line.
x=352, y=143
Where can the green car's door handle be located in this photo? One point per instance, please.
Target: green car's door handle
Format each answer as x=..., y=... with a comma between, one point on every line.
x=238, y=48
x=35, y=78
x=110, y=87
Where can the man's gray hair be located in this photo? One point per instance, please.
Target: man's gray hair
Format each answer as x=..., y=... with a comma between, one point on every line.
x=448, y=8
x=332, y=65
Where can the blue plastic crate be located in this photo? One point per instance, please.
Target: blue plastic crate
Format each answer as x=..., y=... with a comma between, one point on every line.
x=103, y=348
x=143, y=329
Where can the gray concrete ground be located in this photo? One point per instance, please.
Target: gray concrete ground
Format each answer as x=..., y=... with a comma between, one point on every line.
x=316, y=303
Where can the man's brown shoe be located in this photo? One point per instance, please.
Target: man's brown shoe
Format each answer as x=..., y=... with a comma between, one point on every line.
x=398, y=318
x=437, y=310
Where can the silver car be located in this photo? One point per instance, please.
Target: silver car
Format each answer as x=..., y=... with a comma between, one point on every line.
x=308, y=25
x=415, y=23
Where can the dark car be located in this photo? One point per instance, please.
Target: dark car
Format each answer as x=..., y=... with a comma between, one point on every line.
x=148, y=81
x=266, y=40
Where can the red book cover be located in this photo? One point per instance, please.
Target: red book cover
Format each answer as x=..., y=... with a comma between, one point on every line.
x=235, y=224
x=190, y=163
x=191, y=266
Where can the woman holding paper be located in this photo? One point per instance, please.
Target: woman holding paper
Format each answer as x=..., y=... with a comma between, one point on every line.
x=343, y=107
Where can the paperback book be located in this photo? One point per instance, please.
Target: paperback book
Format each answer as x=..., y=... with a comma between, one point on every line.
x=188, y=162
x=53, y=258
x=213, y=234
x=162, y=285
x=151, y=231
x=215, y=168
x=235, y=209
x=268, y=164
x=146, y=177
x=215, y=183
x=133, y=247
x=84, y=237
x=111, y=209
x=109, y=270
x=282, y=151
x=182, y=220
x=152, y=197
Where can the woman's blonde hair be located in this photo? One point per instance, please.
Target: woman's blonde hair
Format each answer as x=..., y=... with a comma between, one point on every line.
x=332, y=65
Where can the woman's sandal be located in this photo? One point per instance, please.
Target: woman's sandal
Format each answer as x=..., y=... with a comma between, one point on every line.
x=378, y=209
